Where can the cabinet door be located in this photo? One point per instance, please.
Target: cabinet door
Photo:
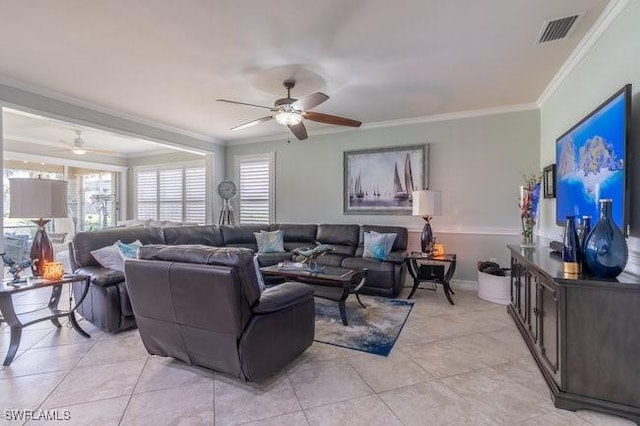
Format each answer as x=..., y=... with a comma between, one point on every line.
x=549, y=323
x=533, y=325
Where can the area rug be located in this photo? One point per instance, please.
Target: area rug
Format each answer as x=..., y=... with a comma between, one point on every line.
x=373, y=330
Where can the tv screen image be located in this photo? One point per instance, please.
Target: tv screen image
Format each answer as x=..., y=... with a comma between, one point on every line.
x=591, y=161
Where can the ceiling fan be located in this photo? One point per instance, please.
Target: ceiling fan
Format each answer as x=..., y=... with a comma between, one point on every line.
x=290, y=112
x=78, y=147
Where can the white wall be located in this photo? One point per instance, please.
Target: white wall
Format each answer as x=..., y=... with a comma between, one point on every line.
x=612, y=62
x=477, y=162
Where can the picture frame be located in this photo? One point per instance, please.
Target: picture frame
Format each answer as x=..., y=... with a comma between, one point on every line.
x=380, y=181
x=549, y=181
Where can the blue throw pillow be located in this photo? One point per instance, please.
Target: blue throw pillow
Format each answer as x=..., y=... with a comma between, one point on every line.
x=378, y=246
x=270, y=242
x=129, y=251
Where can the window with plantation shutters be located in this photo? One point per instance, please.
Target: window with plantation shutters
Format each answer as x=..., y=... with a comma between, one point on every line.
x=176, y=193
x=256, y=187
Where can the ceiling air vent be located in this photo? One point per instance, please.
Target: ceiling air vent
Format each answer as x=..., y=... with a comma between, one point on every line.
x=557, y=28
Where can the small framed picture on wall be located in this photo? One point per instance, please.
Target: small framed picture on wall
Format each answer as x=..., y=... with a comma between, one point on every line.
x=549, y=181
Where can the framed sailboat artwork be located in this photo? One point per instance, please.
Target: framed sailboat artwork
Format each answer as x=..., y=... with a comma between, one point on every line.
x=380, y=181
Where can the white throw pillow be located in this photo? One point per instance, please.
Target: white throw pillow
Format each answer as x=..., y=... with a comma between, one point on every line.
x=270, y=242
x=109, y=257
x=378, y=246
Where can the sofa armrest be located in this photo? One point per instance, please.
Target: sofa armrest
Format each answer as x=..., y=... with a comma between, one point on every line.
x=100, y=276
x=282, y=296
x=396, y=257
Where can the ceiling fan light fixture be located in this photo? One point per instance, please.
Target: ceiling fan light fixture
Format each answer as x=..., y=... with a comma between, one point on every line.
x=288, y=118
x=79, y=151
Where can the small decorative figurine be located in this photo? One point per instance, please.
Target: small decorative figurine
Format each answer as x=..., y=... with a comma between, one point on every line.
x=15, y=268
x=310, y=255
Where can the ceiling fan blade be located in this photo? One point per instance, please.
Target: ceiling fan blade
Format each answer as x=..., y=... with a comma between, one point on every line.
x=244, y=103
x=310, y=101
x=252, y=123
x=299, y=131
x=330, y=119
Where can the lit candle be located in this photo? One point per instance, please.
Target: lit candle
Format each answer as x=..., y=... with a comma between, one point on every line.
x=53, y=271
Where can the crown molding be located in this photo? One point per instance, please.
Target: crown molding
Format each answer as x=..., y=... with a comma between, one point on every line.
x=15, y=84
x=391, y=123
x=603, y=22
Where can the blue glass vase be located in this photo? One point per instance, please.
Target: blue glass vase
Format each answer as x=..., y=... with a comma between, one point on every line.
x=605, y=248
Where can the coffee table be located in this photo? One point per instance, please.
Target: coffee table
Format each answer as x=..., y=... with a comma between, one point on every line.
x=17, y=321
x=332, y=282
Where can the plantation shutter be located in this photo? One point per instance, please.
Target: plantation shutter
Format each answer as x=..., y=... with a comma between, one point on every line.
x=255, y=190
x=170, y=194
x=176, y=194
x=195, y=195
x=147, y=194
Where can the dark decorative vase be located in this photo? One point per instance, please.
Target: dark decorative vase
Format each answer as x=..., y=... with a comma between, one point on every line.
x=606, y=250
x=571, y=254
x=583, y=232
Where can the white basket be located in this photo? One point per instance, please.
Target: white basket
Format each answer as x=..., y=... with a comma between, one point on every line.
x=494, y=289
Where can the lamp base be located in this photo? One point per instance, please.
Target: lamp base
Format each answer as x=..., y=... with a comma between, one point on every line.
x=426, y=238
x=41, y=249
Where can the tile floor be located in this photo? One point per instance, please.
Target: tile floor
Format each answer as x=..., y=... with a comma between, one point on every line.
x=463, y=364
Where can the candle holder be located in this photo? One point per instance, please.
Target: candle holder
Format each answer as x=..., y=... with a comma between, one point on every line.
x=53, y=271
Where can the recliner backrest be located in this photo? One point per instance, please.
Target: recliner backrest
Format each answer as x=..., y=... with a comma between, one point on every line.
x=343, y=238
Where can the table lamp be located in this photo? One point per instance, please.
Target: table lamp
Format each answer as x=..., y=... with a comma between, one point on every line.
x=427, y=203
x=40, y=200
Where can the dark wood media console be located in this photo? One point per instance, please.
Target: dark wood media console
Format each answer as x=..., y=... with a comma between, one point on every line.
x=584, y=333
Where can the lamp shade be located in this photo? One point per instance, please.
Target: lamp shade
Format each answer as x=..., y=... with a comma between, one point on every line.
x=37, y=198
x=427, y=203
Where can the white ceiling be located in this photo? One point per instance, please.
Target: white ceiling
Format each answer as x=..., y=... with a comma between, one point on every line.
x=168, y=61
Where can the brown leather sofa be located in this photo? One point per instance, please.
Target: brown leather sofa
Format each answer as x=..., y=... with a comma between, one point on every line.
x=203, y=305
x=107, y=306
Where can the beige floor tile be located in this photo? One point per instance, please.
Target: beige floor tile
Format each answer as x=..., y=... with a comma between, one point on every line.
x=386, y=373
x=601, y=419
x=96, y=382
x=325, y=382
x=432, y=403
x=69, y=336
x=30, y=337
x=238, y=402
x=28, y=392
x=105, y=412
x=556, y=418
x=507, y=401
x=290, y=419
x=45, y=360
x=321, y=352
x=190, y=405
x=458, y=355
x=163, y=373
x=368, y=410
x=124, y=346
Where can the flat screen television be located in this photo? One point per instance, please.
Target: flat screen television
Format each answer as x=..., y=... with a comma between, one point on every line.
x=591, y=161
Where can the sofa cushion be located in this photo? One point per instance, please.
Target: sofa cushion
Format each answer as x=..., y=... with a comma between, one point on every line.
x=102, y=277
x=298, y=236
x=377, y=246
x=343, y=238
x=380, y=274
x=242, y=235
x=268, y=259
x=331, y=259
x=205, y=235
x=85, y=242
x=270, y=241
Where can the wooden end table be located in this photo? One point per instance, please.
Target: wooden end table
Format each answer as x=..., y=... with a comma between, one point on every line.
x=17, y=321
x=332, y=282
x=425, y=267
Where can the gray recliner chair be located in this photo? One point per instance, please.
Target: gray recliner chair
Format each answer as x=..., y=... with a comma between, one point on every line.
x=204, y=306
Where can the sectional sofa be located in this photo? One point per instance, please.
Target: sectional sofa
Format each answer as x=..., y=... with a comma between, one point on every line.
x=107, y=304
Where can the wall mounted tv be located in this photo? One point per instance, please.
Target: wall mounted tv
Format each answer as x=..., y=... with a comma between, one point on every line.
x=591, y=161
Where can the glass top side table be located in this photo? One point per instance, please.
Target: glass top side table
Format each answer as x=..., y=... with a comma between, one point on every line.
x=50, y=312
x=425, y=267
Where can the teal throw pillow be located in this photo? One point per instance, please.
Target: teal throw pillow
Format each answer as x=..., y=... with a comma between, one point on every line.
x=270, y=242
x=378, y=246
x=129, y=251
